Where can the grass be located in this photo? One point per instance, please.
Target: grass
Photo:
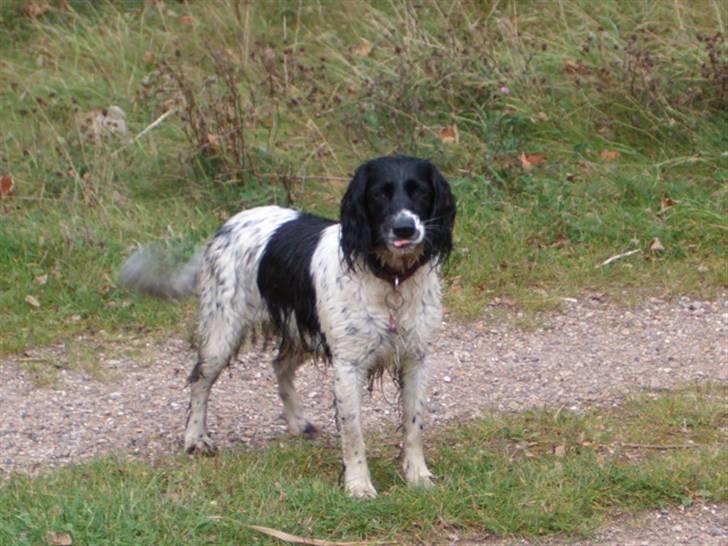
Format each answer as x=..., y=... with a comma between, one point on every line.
x=583, y=131
x=541, y=473
x=570, y=133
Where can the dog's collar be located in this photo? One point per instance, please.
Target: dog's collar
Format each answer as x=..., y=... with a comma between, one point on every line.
x=395, y=277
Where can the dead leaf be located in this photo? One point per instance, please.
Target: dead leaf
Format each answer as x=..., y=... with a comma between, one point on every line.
x=185, y=20
x=6, y=186
x=450, y=134
x=35, y=9
x=576, y=68
x=41, y=279
x=528, y=161
x=657, y=245
x=286, y=537
x=57, y=538
x=362, y=49
x=560, y=450
x=31, y=300
x=609, y=155
x=213, y=144
x=666, y=203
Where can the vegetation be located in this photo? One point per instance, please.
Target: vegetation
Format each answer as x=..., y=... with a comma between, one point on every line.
x=540, y=473
x=570, y=134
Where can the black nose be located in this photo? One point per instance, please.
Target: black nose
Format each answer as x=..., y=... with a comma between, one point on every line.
x=404, y=227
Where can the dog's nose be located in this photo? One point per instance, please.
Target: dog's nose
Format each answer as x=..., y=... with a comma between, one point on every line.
x=404, y=227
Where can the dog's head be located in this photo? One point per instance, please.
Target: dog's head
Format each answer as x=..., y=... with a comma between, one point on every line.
x=397, y=210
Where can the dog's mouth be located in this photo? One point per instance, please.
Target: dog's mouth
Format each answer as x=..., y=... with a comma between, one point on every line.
x=403, y=243
x=401, y=247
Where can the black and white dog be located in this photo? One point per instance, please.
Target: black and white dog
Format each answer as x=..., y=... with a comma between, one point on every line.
x=363, y=294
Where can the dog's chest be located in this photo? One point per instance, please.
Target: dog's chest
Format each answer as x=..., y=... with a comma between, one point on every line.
x=365, y=318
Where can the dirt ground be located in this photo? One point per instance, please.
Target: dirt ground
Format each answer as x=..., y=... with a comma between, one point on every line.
x=590, y=353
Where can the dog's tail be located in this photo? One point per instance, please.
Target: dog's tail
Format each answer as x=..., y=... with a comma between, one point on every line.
x=151, y=271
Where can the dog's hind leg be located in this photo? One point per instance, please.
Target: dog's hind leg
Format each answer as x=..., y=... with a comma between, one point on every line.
x=285, y=366
x=221, y=330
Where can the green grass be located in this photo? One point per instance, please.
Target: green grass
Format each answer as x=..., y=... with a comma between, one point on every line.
x=284, y=109
x=541, y=473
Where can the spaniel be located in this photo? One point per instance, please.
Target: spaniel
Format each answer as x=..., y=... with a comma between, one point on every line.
x=362, y=294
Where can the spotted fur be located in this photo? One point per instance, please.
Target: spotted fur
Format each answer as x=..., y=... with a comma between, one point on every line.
x=325, y=288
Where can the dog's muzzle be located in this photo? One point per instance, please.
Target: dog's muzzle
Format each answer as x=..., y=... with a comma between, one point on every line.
x=405, y=231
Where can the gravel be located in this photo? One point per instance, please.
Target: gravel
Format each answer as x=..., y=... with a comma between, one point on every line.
x=591, y=353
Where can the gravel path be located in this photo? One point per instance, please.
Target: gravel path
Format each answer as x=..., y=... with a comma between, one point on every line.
x=590, y=354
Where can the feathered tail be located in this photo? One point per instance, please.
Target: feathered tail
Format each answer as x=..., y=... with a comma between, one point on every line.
x=151, y=271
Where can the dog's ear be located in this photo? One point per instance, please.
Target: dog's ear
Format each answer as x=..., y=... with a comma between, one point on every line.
x=442, y=218
x=356, y=234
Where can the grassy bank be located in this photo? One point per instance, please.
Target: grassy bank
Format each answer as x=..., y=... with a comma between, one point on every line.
x=540, y=473
x=571, y=133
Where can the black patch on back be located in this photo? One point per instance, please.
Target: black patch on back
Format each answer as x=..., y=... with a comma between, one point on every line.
x=285, y=282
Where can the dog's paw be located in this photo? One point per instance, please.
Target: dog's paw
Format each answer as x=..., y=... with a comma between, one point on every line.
x=302, y=428
x=361, y=490
x=417, y=475
x=200, y=445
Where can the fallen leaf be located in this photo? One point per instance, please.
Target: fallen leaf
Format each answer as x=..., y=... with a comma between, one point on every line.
x=41, y=280
x=362, y=49
x=35, y=9
x=6, y=185
x=666, y=203
x=528, y=161
x=57, y=538
x=31, y=300
x=185, y=20
x=213, y=144
x=657, y=245
x=560, y=450
x=576, y=68
x=609, y=155
x=450, y=134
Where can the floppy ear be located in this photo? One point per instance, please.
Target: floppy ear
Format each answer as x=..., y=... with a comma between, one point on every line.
x=356, y=234
x=442, y=218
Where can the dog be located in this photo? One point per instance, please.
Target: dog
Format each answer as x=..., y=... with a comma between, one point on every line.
x=362, y=294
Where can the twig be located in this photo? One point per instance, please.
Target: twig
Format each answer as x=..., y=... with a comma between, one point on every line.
x=618, y=257
x=156, y=122
x=305, y=176
x=659, y=446
x=293, y=539
x=144, y=131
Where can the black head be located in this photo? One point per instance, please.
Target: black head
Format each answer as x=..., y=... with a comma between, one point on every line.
x=397, y=209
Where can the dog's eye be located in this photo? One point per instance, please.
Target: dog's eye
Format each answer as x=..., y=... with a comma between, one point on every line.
x=387, y=190
x=412, y=187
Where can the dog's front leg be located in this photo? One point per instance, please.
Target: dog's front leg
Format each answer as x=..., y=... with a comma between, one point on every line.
x=347, y=390
x=413, y=386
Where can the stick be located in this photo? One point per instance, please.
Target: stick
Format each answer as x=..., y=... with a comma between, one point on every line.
x=156, y=122
x=618, y=257
x=293, y=539
x=659, y=446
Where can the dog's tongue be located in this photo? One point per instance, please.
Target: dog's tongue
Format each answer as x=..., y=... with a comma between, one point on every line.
x=399, y=243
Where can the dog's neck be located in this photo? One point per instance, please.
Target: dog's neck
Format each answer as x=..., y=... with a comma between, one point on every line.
x=396, y=269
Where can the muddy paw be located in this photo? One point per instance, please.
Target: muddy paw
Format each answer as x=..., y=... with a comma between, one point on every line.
x=201, y=445
x=417, y=475
x=361, y=490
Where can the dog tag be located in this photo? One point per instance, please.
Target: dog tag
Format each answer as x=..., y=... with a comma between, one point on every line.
x=392, y=324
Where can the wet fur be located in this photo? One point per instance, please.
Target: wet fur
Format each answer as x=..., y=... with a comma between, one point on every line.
x=321, y=287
